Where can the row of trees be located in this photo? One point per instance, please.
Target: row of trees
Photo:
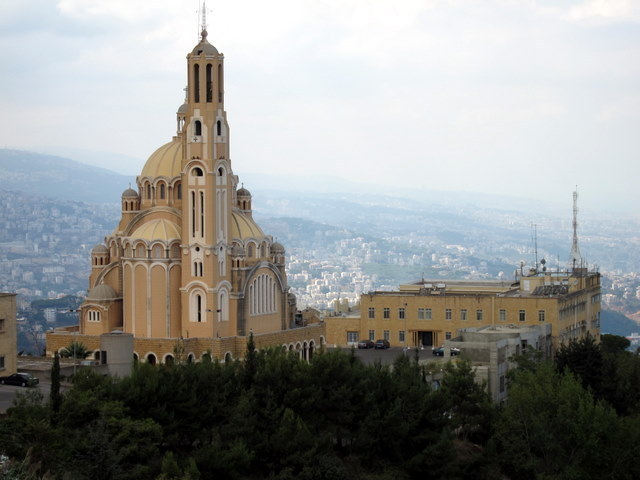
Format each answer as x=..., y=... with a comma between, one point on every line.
x=275, y=416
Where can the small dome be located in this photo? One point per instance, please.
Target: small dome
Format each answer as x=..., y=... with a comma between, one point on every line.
x=130, y=193
x=102, y=293
x=161, y=229
x=99, y=250
x=165, y=161
x=243, y=192
x=204, y=47
x=183, y=108
x=244, y=227
x=277, y=248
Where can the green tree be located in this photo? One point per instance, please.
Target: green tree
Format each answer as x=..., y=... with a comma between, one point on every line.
x=585, y=360
x=75, y=350
x=552, y=428
x=468, y=402
x=613, y=344
x=55, y=398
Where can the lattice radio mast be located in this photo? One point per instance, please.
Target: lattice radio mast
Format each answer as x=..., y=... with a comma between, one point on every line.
x=576, y=258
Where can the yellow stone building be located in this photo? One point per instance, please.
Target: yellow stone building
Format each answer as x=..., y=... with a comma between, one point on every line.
x=187, y=268
x=8, y=334
x=426, y=313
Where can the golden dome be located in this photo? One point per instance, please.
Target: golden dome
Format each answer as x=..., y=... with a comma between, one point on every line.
x=244, y=227
x=161, y=229
x=165, y=161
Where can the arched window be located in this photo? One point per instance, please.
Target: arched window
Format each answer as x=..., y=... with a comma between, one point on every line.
x=196, y=83
x=148, y=187
x=162, y=191
x=193, y=214
x=220, y=83
x=201, y=213
x=157, y=251
x=198, y=127
x=223, y=305
x=179, y=191
x=151, y=358
x=218, y=128
x=199, y=308
x=196, y=172
x=262, y=295
x=209, y=83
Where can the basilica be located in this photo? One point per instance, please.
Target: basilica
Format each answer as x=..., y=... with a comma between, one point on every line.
x=187, y=269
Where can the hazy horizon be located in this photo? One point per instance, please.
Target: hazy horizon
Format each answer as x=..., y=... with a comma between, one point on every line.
x=521, y=99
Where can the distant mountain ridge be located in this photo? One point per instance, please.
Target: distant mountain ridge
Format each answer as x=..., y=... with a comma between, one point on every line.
x=58, y=177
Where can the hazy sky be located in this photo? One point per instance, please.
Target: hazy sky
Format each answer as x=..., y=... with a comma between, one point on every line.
x=521, y=97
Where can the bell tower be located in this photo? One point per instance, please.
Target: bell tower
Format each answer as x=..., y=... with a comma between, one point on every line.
x=208, y=185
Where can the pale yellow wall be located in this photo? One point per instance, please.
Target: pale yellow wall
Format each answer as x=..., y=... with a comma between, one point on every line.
x=562, y=328
x=8, y=334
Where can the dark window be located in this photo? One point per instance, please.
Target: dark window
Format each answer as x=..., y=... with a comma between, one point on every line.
x=209, y=84
x=196, y=83
x=198, y=127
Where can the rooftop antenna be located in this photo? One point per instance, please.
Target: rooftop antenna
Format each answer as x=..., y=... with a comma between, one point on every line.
x=202, y=20
x=534, y=233
x=576, y=258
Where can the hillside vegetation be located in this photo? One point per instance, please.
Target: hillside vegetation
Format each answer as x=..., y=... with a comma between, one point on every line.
x=276, y=416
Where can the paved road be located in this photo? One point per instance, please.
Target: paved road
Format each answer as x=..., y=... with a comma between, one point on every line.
x=8, y=393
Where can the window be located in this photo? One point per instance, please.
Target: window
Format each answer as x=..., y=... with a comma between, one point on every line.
x=501, y=383
x=179, y=188
x=447, y=314
x=386, y=335
x=427, y=314
x=209, y=83
x=447, y=335
x=372, y=312
x=401, y=336
x=401, y=313
x=463, y=314
x=2, y=325
x=196, y=83
x=386, y=313
x=1, y=362
x=198, y=129
x=479, y=315
x=522, y=315
x=372, y=334
x=94, y=315
x=503, y=315
x=541, y=315
x=219, y=128
x=197, y=269
x=352, y=337
x=421, y=313
x=162, y=191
